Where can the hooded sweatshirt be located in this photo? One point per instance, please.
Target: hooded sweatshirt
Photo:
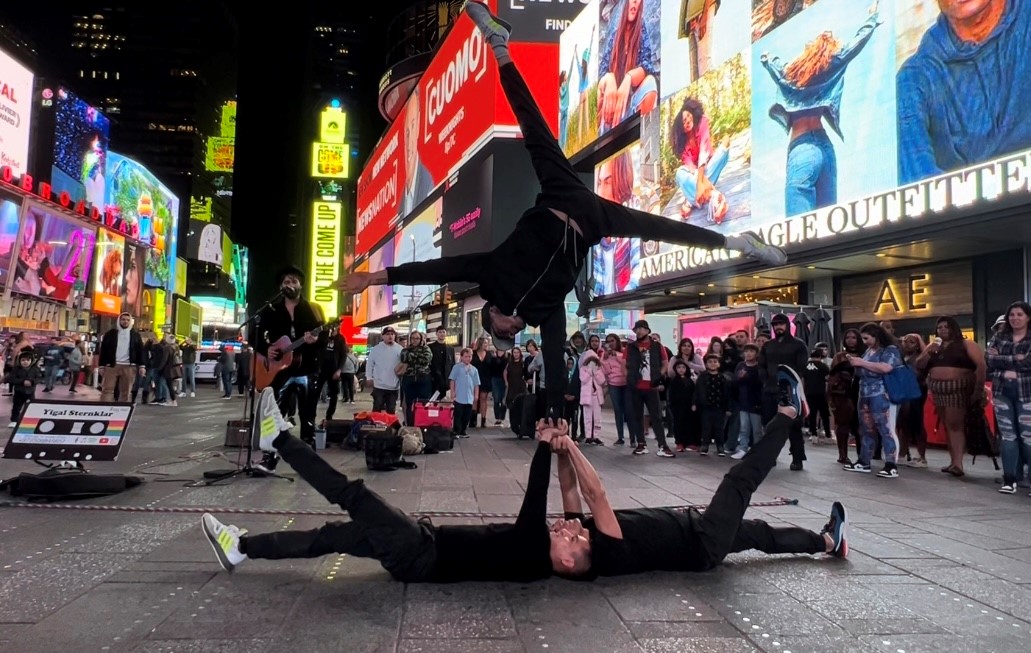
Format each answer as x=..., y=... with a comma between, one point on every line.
x=965, y=102
x=122, y=347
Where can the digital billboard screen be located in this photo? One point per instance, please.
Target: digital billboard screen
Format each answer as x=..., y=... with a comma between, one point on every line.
x=205, y=243
x=81, y=135
x=15, y=113
x=418, y=240
x=827, y=118
x=108, y=275
x=53, y=253
x=134, y=264
x=9, y=222
x=140, y=198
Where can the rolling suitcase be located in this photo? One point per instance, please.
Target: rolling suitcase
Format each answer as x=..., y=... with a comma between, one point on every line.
x=528, y=411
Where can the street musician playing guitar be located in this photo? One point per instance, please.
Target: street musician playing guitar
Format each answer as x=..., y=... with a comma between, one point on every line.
x=293, y=317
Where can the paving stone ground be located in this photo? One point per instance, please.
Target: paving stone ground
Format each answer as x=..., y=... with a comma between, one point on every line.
x=938, y=564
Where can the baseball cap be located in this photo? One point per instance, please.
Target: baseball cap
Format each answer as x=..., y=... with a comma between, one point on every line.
x=641, y=324
x=780, y=318
x=1000, y=320
x=387, y=330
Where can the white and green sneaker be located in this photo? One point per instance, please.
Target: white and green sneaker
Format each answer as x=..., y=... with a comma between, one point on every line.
x=270, y=420
x=751, y=245
x=225, y=540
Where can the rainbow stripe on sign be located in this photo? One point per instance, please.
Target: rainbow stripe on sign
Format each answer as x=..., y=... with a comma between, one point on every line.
x=115, y=428
x=28, y=426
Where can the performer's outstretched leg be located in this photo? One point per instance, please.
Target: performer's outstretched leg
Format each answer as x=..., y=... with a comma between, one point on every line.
x=376, y=530
x=561, y=187
x=719, y=525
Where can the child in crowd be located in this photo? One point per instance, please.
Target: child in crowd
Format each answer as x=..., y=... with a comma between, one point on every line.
x=681, y=396
x=23, y=379
x=465, y=383
x=592, y=396
x=712, y=401
x=749, y=389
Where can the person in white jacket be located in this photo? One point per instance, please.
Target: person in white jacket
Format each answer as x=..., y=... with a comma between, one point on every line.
x=381, y=370
x=592, y=395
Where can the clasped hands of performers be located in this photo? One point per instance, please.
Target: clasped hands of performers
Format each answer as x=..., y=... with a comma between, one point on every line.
x=555, y=434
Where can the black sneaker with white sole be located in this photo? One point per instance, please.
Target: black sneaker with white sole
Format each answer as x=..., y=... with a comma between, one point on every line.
x=792, y=391
x=837, y=528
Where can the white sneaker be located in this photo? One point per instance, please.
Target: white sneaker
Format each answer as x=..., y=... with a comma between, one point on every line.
x=193, y=394
x=225, y=540
x=270, y=420
x=738, y=455
x=12, y=425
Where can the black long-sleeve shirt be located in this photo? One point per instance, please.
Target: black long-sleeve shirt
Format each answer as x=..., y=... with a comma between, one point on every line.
x=517, y=552
x=787, y=350
x=277, y=322
x=529, y=275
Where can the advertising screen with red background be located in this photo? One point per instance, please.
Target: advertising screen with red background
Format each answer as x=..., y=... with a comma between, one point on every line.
x=456, y=104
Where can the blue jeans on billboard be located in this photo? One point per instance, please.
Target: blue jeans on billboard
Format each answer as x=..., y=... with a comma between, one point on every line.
x=812, y=173
x=877, y=418
x=497, y=390
x=648, y=85
x=618, y=395
x=687, y=179
x=1013, y=420
x=563, y=125
x=190, y=377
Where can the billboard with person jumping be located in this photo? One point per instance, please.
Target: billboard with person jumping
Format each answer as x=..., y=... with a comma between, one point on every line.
x=827, y=118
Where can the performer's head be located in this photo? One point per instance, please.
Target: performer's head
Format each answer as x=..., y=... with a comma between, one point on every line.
x=570, y=548
x=290, y=281
x=502, y=328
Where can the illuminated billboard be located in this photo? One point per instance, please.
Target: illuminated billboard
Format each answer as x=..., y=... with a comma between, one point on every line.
x=227, y=125
x=107, y=277
x=16, y=112
x=330, y=160
x=81, y=135
x=142, y=200
x=205, y=243
x=220, y=155
x=51, y=255
x=332, y=125
x=325, y=256
x=134, y=266
x=828, y=118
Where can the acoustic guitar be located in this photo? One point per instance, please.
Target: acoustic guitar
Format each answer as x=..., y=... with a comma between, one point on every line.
x=281, y=356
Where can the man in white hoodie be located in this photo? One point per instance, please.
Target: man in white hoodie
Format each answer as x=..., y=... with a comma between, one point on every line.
x=381, y=369
x=121, y=356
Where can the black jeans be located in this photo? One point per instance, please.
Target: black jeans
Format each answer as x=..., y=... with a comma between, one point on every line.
x=18, y=401
x=571, y=413
x=243, y=381
x=346, y=386
x=332, y=387
x=770, y=403
x=713, y=422
x=638, y=400
x=377, y=530
x=564, y=191
x=463, y=413
x=722, y=528
x=819, y=410
x=307, y=399
x=384, y=400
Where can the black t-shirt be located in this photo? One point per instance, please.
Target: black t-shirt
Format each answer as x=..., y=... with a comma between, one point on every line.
x=814, y=377
x=519, y=552
x=654, y=539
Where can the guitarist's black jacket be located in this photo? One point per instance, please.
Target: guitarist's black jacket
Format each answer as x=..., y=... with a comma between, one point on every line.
x=276, y=323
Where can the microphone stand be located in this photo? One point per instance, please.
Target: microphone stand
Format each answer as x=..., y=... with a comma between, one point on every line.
x=249, y=408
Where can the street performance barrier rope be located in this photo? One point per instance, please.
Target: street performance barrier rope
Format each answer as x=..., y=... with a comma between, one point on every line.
x=779, y=501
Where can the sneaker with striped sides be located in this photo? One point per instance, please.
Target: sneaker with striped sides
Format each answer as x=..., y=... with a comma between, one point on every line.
x=225, y=540
x=270, y=420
